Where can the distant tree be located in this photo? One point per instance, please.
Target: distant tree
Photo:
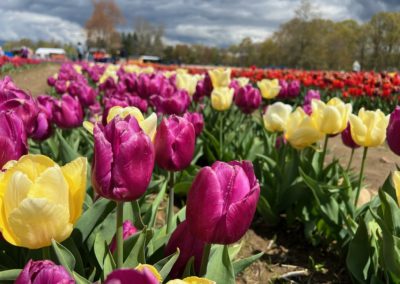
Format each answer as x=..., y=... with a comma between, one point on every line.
x=101, y=26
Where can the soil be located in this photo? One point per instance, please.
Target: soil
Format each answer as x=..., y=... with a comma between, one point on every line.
x=33, y=79
x=286, y=252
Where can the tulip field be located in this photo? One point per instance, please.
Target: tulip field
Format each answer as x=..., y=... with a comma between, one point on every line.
x=161, y=174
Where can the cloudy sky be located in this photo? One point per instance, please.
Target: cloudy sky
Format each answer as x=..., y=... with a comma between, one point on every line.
x=213, y=22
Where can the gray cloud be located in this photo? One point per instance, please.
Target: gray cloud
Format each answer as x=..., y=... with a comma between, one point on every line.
x=215, y=22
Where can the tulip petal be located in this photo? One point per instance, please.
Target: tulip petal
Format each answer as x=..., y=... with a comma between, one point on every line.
x=51, y=185
x=32, y=165
x=36, y=221
x=75, y=174
x=149, y=125
x=17, y=190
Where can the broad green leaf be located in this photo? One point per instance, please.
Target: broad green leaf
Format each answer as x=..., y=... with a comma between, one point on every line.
x=136, y=255
x=242, y=264
x=9, y=275
x=220, y=268
x=63, y=255
x=165, y=265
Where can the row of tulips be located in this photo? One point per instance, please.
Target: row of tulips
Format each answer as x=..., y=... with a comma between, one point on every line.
x=138, y=156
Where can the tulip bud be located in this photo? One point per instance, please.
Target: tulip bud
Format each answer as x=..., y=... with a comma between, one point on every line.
x=130, y=276
x=222, y=201
x=276, y=116
x=61, y=87
x=269, y=88
x=42, y=200
x=221, y=98
x=189, y=246
x=68, y=112
x=294, y=89
x=128, y=229
x=44, y=271
x=368, y=129
x=393, y=130
x=13, y=140
x=301, y=130
x=174, y=143
x=220, y=77
x=331, y=118
x=248, y=99
x=311, y=95
x=347, y=139
x=123, y=160
x=186, y=82
x=42, y=129
x=197, y=120
x=171, y=101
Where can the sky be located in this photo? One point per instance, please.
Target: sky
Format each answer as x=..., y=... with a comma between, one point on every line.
x=211, y=22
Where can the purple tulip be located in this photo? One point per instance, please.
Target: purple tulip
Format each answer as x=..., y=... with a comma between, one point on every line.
x=280, y=142
x=129, y=276
x=188, y=245
x=347, y=139
x=203, y=89
x=171, y=101
x=128, y=230
x=392, y=132
x=283, y=93
x=44, y=272
x=51, y=81
x=197, y=120
x=311, y=95
x=123, y=160
x=45, y=104
x=248, y=99
x=222, y=201
x=68, y=112
x=42, y=129
x=61, y=87
x=26, y=109
x=138, y=102
x=174, y=143
x=8, y=90
x=13, y=140
x=294, y=89
x=86, y=94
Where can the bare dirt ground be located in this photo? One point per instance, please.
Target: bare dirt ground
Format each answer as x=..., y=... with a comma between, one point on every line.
x=287, y=255
x=34, y=78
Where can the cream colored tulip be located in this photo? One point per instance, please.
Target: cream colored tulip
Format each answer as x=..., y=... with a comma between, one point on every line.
x=221, y=98
x=269, y=88
x=220, y=77
x=276, y=116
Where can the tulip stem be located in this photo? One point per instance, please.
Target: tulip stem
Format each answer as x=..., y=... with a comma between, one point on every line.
x=350, y=160
x=204, y=259
x=361, y=175
x=324, y=153
x=119, y=235
x=170, y=216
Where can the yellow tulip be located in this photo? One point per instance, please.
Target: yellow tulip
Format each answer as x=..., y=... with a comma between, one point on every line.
x=187, y=82
x=221, y=98
x=130, y=68
x=368, y=129
x=276, y=116
x=191, y=280
x=39, y=200
x=396, y=183
x=243, y=81
x=220, y=77
x=77, y=68
x=331, y=117
x=301, y=130
x=269, y=88
x=151, y=268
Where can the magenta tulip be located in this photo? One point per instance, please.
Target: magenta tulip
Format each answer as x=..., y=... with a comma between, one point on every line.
x=42, y=129
x=26, y=109
x=171, y=101
x=61, y=87
x=44, y=272
x=189, y=246
x=222, y=201
x=123, y=160
x=68, y=112
x=174, y=143
x=13, y=140
x=128, y=230
x=311, y=95
x=197, y=120
x=392, y=131
x=293, y=89
x=131, y=276
x=45, y=104
x=248, y=99
x=347, y=139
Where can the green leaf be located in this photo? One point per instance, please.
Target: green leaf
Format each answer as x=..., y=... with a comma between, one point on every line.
x=9, y=275
x=63, y=255
x=242, y=264
x=189, y=268
x=150, y=216
x=136, y=255
x=68, y=153
x=100, y=249
x=80, y=279
x=165, y=265
x=220, y=268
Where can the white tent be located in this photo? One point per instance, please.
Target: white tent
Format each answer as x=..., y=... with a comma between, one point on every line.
x=45, y=52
